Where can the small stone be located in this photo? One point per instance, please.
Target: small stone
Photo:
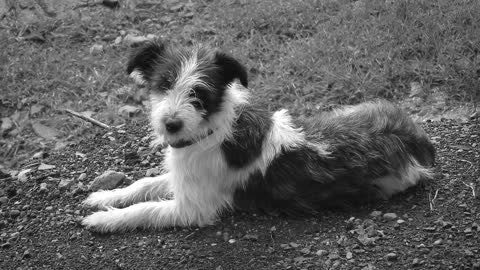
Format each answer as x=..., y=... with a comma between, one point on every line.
x=294, y=245
x=437, y=242
x=43, y=187
x=390, y=216
x=305, y=251
x=23, y=175
x=153, y=172
x=376, y=213
x=49, y=208
x=108, y=180
x=469, y=253
x=132, y=39
x=129, y=111
x=39, y=155
x=232, y=241
x=65, y=184
x=82, y=176
x=400, y=221
x=321, y=252
x=3, y=199
x=349, y=255
x=392, y=256
x=14, y=213
x=96, y=49
x=27, y=254
x=416, y=262
x=118, y=40
x=253, y=237
x=44, y=167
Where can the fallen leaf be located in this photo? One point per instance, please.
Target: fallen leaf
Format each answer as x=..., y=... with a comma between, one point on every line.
x=45, y=132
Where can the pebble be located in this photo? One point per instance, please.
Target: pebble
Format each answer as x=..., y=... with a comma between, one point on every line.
x=416, y=262
x=390, y=216
x=153, y=172
x=44, y=167
x=400, y=221
x=82, y=176
x=23, y=175
x=96, y=49
x=43, y=187
x=3, y=199
x=65, y=184
x=376, y=213
x=392, y=256
x=437, y=242
x=108, y=180
x=322, y=252
x=27, y=254
x=14, y=213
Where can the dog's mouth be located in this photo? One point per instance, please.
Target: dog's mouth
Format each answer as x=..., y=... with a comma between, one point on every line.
x=185, y=143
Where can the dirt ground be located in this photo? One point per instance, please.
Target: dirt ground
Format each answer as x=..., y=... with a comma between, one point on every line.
x=435, y=226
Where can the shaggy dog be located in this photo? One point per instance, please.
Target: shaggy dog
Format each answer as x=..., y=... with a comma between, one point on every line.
x=227, y=152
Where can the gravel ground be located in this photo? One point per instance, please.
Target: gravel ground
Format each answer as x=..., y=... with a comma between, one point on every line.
x=434, y=226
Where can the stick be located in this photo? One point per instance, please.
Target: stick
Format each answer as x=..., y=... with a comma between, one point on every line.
x=89, y=119
x=432, y=201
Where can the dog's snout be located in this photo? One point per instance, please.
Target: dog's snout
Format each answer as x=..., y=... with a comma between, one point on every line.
x=173, y=125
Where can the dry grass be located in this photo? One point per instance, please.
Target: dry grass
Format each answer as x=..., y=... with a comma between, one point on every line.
x=303, y=55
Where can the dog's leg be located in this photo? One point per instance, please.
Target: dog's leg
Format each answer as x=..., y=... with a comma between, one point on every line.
x=147, y=215
x=146, y=189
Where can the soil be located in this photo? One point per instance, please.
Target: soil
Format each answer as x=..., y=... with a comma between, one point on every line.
x=432, y=226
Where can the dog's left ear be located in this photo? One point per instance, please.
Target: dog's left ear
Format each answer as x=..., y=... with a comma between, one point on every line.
x=142, y=61
x=231, y=69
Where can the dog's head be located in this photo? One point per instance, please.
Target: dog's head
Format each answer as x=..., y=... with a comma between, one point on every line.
x=189, y=89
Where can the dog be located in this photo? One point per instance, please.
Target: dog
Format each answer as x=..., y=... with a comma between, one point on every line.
x=227, y=152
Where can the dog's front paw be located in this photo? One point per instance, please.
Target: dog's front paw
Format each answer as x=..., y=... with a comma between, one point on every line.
x=103, y=222
x=99, y=200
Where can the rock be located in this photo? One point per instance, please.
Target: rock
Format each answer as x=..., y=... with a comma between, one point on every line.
x=390, y=216
x=108, y=180
x=3, y=200
x=415, y=262
x=232, y=241
x=153, y=172
x=43, y=187
x=14, y=213
x=129, y=111
x=391, y=256
x=7, y=125
x=132, y=39
x=65, y=184
x=400, y=221
x=294, y=245
x=118, y=40
x=27, y=254
x=349, y=255
x=96, y=49
x=82, y=177
x=39, y=155
x=45, y=132
x=23, y=175
x=305, y=250
x=253, y=237
x=44, y=167
x=321, y=252
x=437, y=242
x=376, y=213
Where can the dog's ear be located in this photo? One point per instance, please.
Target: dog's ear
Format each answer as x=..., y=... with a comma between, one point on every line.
x=142, y=60
x=231, y=69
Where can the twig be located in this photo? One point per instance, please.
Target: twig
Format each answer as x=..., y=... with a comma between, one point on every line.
x=472, y=186
x=432, y=201
x=89, y=119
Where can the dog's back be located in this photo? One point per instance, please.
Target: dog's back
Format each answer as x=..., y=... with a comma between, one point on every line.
x=368, y=151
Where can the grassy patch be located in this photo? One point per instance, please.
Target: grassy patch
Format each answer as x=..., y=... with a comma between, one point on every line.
x=303, y=55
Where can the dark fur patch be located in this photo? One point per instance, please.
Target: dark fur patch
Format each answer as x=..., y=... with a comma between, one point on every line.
x=376, y=140
x=144, y=59
x=249, y=131
x=299, y=182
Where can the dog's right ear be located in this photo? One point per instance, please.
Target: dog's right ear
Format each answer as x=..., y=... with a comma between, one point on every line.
x=143, y=59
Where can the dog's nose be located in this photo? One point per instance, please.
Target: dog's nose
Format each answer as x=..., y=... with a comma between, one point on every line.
x=173, y=125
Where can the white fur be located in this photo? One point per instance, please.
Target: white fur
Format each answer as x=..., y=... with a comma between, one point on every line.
x=198, y=176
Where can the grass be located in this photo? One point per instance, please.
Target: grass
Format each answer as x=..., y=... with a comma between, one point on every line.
x=303, y=55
